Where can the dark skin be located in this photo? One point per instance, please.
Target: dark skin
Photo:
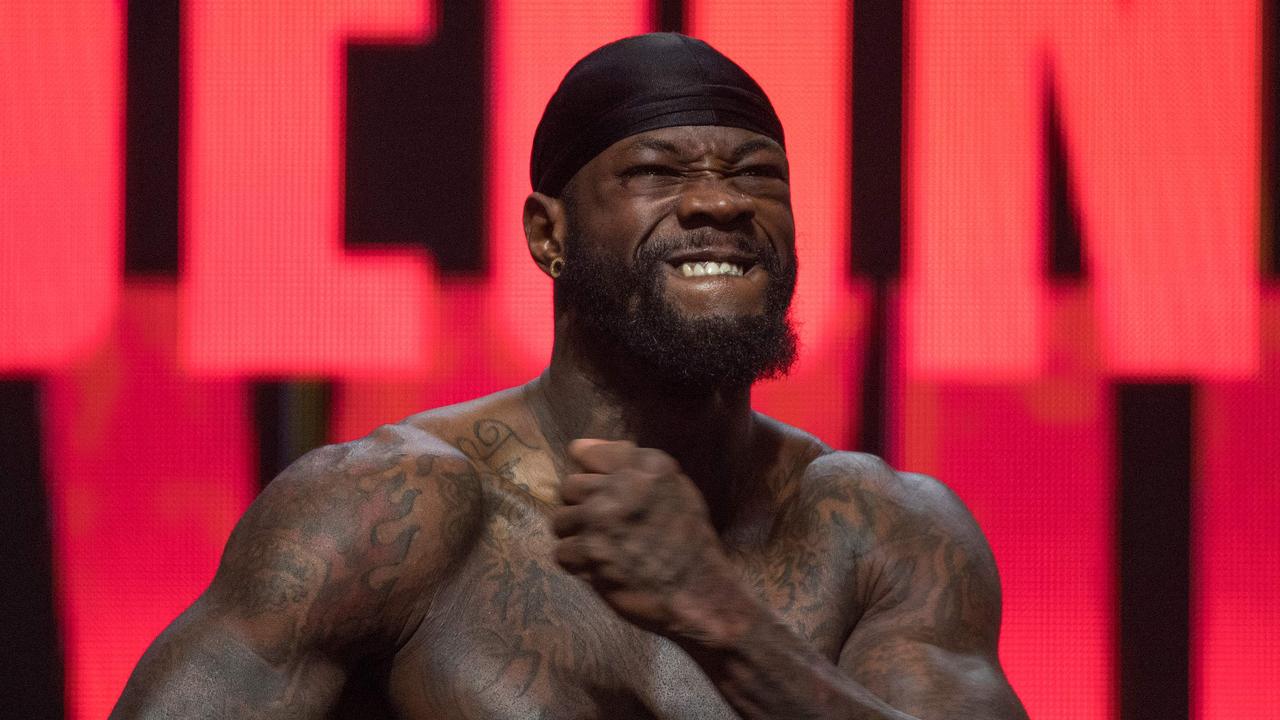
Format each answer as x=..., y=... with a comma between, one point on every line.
x=590, y=546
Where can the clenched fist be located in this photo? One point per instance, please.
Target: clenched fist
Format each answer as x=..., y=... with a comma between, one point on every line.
x=636, y=528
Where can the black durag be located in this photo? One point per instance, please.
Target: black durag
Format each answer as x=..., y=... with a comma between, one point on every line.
x=638, y=84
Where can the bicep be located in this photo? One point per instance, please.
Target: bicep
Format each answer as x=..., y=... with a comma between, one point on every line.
x=326, y=567
x=250, y=646
x=930, y=665
x=929, y=681
x=208, y=665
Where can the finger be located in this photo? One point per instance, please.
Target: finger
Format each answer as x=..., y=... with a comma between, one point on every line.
x=572, y=555
x=607, y=576
x=577, y=487
x=568, y=520
x=602, y=456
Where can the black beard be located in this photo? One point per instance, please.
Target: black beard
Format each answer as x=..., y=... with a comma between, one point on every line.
x=626, y=319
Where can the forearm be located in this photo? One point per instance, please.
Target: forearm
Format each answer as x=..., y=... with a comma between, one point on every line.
x=764, y=670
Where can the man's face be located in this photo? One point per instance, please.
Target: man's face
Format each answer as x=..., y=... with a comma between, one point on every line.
x=681, y=252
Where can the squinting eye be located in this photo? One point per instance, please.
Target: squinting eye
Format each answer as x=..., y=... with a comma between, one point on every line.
x=762, y=171
x=650, y=170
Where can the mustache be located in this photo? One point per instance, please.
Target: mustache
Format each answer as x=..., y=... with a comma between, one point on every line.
x=658, y=249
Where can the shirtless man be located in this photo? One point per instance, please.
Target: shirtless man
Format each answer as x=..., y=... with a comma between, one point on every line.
x=622, y=537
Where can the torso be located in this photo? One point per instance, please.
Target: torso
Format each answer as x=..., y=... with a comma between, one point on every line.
x=512, y=635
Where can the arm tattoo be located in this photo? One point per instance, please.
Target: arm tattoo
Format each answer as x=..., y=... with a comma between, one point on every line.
x=324, y=568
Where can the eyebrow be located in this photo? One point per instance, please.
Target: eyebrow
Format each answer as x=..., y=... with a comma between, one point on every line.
x=751, y=146
x=655, y=144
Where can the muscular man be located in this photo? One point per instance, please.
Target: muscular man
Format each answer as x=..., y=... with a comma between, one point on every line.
x=622, y=537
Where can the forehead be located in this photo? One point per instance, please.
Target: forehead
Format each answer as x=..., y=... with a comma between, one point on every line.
x=693, y=142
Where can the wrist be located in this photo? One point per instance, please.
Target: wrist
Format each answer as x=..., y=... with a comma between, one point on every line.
x=716, y=613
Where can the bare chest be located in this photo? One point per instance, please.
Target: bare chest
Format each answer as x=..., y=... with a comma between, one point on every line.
x=514, y=636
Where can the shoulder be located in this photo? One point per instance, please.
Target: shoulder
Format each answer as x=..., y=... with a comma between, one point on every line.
x=902, y=508
x=350, y=536
x=817, y=471
x=913, y=498
x=397, y=472
x=925, y=549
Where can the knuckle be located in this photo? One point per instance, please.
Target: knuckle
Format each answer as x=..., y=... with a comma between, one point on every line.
x=637, y=493
x=636, y=512
x=655, y=462
x=608, y=509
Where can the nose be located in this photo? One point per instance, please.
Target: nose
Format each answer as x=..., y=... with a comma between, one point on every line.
x=711, y=201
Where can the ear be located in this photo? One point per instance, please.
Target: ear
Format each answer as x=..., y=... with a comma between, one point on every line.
x=545, y=228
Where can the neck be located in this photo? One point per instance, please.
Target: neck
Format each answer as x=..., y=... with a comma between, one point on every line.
x=586, y=394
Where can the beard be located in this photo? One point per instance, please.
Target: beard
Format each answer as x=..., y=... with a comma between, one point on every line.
x=626, y=316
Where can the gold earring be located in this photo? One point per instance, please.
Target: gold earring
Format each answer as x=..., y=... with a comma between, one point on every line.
x=556, y=267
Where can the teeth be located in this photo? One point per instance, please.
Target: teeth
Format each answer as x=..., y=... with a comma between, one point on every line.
x=700, y=269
